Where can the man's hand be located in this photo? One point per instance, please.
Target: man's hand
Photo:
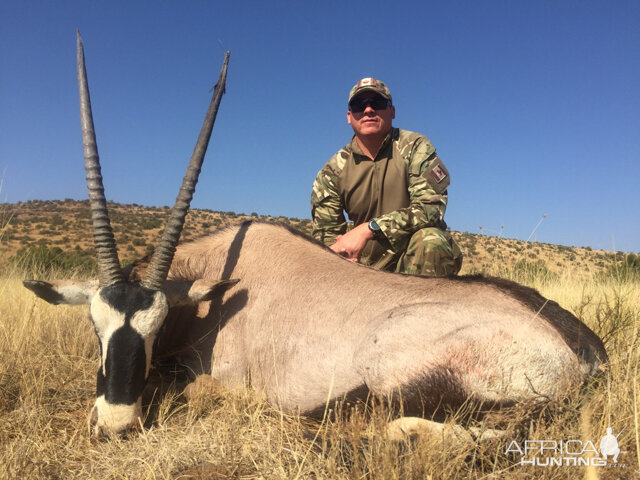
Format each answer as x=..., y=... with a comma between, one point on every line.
x=351, y=243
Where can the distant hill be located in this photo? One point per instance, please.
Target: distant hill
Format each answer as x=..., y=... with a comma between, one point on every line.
x=66, y=224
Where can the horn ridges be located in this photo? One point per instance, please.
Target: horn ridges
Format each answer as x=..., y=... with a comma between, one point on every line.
x=109, y=271
x=163, y=255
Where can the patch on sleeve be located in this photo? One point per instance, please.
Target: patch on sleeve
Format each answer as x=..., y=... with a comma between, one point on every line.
x=437, y=176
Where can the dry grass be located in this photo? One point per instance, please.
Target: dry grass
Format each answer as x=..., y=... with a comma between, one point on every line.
x=48, y=358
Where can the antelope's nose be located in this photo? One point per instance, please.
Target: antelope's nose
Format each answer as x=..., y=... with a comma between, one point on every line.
x=102, y=432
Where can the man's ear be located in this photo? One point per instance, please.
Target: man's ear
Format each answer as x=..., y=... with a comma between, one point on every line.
x=63, y=292
x=191, y=292
x=349, y=117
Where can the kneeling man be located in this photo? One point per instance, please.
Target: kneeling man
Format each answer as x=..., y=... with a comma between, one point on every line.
x=392, y=185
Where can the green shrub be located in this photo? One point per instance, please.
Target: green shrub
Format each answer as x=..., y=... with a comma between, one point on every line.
x=44, y=261
x=528, y=272
x=56, y=220
x=151, y=223
x=625, y=270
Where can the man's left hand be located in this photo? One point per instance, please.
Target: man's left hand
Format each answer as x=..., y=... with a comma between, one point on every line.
x=351, y=243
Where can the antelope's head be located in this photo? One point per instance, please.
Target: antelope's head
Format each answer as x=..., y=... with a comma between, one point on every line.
x=127, y=316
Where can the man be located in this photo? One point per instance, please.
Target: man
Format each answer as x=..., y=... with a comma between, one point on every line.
x=393, y=187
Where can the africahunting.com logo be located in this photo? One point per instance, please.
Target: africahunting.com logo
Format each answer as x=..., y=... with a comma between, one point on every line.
x=576, y=453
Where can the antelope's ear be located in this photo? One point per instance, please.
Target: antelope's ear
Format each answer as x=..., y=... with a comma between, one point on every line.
x=191, y=292
x=63, y=291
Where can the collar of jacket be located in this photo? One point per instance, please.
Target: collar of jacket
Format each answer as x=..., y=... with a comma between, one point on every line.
x=386, y=150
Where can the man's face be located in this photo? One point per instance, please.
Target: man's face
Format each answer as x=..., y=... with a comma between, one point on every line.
x=371, y=121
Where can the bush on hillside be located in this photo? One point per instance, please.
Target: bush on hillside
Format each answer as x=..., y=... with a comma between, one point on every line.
x=528, y=272
x=625, y=270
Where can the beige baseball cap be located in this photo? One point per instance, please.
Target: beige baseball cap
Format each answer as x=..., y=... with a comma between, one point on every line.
x=370, y=84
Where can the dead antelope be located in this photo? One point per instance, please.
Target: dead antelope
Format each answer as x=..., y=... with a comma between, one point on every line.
x=306, y=325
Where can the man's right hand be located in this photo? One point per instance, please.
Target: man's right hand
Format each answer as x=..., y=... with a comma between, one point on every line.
x=351, y=243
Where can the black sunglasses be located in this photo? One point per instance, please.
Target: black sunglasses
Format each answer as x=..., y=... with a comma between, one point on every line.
x=358, y=105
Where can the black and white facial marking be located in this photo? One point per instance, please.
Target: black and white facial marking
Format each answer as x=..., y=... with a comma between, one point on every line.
x=127, y=318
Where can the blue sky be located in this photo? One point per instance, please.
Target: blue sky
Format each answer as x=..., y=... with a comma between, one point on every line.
x=533, y=106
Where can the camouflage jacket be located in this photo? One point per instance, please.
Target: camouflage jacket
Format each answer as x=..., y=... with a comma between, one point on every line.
x=404, y=189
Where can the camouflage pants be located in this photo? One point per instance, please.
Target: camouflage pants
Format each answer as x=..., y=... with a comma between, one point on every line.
x=429, y=252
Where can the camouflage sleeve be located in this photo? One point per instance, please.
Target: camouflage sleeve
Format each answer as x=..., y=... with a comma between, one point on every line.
x=428, y=181
x=327, y=210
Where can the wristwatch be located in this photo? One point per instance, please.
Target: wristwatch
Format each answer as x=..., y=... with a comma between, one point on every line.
x=375, y=228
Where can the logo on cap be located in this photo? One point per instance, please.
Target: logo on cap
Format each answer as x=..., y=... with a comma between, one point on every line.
x=366, y=82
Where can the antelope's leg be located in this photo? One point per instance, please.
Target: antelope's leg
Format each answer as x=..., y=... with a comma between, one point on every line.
x=409, y=427
x=405, y=428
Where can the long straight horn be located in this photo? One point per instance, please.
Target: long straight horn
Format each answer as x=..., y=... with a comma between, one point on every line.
x=109, y=271
x=163, y=256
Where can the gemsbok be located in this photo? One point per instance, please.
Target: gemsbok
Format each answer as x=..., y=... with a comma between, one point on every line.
x=305, y=325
